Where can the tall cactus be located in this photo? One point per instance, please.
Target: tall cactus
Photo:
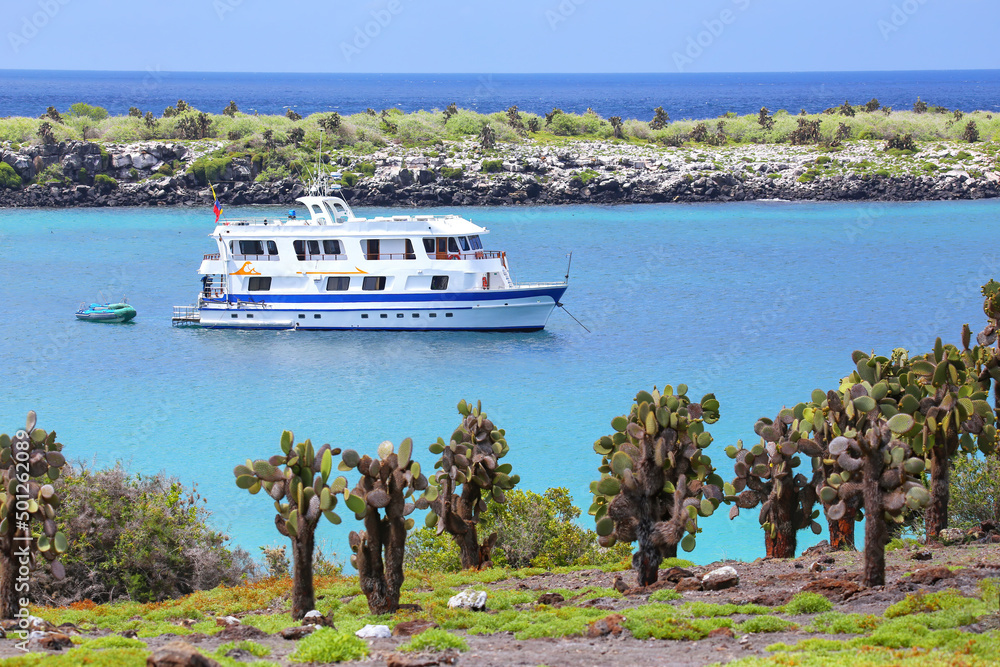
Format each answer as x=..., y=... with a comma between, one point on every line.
x=29, y=462
x=765, y=475
x=386, y=484
x=470, y=461
x=869, y=458
x=298, y=480
x=945, y=398
x=656, y=479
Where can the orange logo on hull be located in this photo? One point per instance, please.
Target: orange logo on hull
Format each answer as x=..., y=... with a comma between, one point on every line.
x=246, y=270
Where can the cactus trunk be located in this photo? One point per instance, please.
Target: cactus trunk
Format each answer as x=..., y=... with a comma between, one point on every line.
x=842, y=531
x=303, y=596
x=783, y=544
x=875, y=526
x=468, y=544
x=936, y=516
x=646, y=560
x=380, y=557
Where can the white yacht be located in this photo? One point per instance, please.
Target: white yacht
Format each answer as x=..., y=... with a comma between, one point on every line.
x=332, y=270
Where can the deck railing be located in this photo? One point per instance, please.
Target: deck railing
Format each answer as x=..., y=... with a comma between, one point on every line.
x=211, y=255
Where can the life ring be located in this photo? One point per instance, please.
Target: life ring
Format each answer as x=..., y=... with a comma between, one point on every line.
x=503, y=259
x=454, y=257
x=486, y=282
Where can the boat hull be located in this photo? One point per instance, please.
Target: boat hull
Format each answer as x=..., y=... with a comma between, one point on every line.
x=506, y=310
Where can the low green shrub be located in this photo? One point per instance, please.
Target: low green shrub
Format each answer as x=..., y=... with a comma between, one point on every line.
x=454, y=173
x=806, y=602
x=492, y=166
x=8, y=177
x=106, y=182
x=81, y=110
x=349, y=179
x=329, y=645
x=435, y=639
x=838, y=623
x=208, y=169
x=366, y=168
x=921, y=602
x=587, y=175
x=665, y=595
x=766, y=624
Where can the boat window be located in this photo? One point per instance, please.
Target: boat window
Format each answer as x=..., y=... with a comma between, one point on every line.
x=476, y=243
x=251, y=248
x=300, y=250
x=371, y=248
x=272, y=248
x=439, y=282
x=338, y=283
x=373, y=283
x=409, y=250
x=313, y=247
x=452, y=245
x=262, y=284
x=464, y=242
x=429, y=245
x=331, y=247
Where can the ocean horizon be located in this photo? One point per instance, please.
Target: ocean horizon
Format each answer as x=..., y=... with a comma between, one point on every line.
x=683, y=95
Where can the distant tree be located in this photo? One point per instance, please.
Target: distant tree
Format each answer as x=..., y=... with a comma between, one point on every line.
x=269, y=141
x=450, y=111
x=231, y=110
x=958, y=115
x=616, y=125
x=971, y=133
x=919, y=106
x=182, y=106
x=387, y=123
x=699, y=133
x=515, y=121
x=902, y=142
x=534, y=125
x=802, y=112
x=195, y=127
x=806, y=133
x=292, y=115
x=552, y=114
x=660, y=119
x=134, y=112
x=872, y=106
x=169, y=112
x=765, y=119
x=45, y=133
x=887, y=110
x=720, y=134
x=330, y=123
x=371, y=112
x=846, y=109
x=52, y=114
x=487, y=137
x=150, y=120
x=297, y=134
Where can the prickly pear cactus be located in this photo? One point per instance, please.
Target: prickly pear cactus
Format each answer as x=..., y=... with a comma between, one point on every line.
x=298, y=480
x=951, y=413
x=29, y=462
x=385, y=486
x=656, y=479
x=470, y=460
x=765, y=475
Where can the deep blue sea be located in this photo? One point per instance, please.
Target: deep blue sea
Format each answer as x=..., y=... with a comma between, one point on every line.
x=31, y=92
x=758, y=302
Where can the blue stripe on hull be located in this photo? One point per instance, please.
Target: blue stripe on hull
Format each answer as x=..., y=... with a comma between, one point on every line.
x=484, y=329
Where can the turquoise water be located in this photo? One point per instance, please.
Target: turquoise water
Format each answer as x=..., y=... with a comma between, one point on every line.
x=757, y=302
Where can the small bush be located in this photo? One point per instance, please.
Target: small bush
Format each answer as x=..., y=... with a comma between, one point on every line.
x=81, y=110
x=766, y=624
x=915, y=603
x=453, y=173
x=8, y=177
x=103, y=181
x=587, y=175
x=349, y=179
x=329, y=645
x=971, y=132
x=435, y=639
x=665, y=595
x=806, y=602
x=492, y=166
x=975, y=491
x=366, y=168
x=837, y=623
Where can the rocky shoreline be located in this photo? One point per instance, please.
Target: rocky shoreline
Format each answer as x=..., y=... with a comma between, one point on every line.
x=530, y=174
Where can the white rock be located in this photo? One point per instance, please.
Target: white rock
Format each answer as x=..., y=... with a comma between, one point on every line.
x=143, y=160
x=374, y=632
x=469, y=599
x=723, y=577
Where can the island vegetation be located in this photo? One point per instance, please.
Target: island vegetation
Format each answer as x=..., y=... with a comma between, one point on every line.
x=385, y=156
x=906, y=443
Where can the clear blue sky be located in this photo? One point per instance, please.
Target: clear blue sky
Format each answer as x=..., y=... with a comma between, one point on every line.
x=499, y=35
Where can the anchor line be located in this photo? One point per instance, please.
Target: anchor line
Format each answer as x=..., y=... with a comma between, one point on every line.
x=574, y=319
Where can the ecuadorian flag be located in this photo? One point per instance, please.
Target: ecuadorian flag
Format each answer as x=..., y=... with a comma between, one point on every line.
x=216, y=207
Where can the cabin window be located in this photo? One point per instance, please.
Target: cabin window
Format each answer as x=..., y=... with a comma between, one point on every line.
x=429, y=246
x=300, y=250
x=452, y=245
x=331, y=247
x=251, y=248
x=439, y=282
x=373, y=283
x=338, y=284
x=272, y=248
x=371, y=248
x=475, y=242
x=313, y=247
x=409, y=250
x=464, y=242
x=433, y=315
x=261, y=284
